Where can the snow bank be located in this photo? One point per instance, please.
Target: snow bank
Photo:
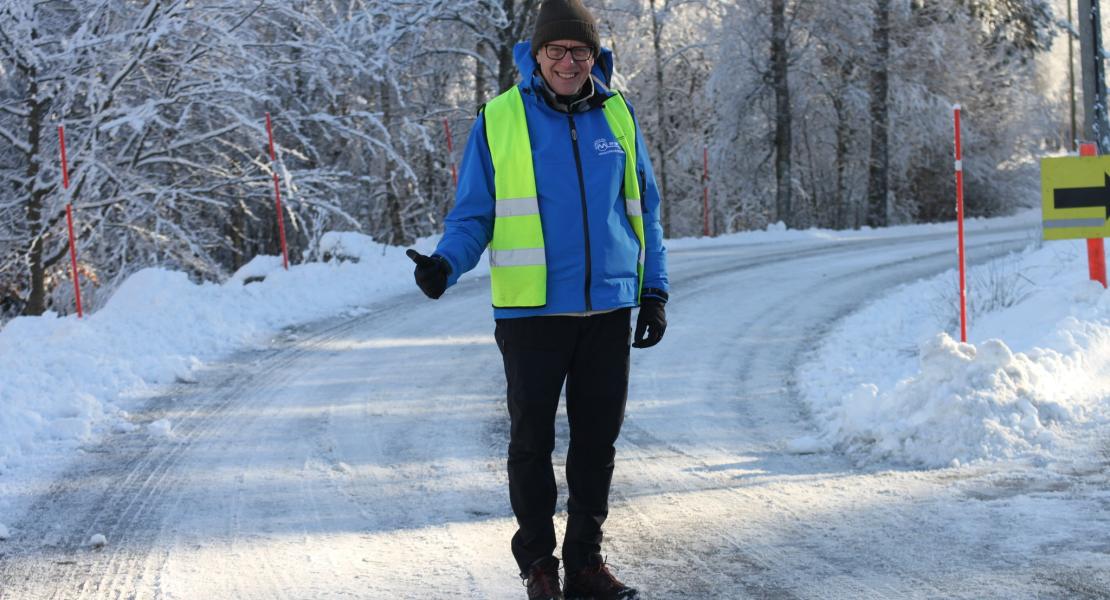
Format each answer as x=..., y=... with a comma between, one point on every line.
x=66, y=380
x=887, y=384
x=777, y=232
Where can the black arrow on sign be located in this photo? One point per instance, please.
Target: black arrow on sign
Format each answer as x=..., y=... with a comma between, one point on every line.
x=1087, y=197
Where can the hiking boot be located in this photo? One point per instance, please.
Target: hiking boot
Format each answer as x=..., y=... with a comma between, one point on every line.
x=595, y=582
x=542, y=580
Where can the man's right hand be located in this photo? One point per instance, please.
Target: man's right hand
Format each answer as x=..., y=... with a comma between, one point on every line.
x=431, y=273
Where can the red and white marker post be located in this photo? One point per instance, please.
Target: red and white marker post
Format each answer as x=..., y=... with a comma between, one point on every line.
x=705, y=189
x=69, y=222
x=277, y=195
x=451, y=152
x=960, y=224
x=1096, y=252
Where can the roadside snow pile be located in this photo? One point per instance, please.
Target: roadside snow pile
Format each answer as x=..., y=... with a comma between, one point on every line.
x=67, y=380
x=967, y=402
x=348, y=246
x=948, y=403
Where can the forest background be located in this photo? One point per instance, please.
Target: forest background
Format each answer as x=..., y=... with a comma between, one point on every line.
x=813, y=113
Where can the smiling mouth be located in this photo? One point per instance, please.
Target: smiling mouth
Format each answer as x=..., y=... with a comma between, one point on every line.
x=566, y=75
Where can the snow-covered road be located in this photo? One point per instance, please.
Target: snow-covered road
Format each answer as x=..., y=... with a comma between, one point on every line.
x=363, y=458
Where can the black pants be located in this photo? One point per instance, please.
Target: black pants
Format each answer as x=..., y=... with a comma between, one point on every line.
x=592, y=355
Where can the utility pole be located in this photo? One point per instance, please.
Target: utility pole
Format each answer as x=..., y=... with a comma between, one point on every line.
x=1071, y=77
x=1094, y=110
x=1094, y=79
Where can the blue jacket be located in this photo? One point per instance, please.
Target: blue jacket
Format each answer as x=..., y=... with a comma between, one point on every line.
x=584, y=273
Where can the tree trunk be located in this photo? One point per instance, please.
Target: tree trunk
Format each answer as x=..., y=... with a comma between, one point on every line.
x=479, y=79
x=236, y=233
x=397, y=235
x=662, y=143
x=521, y=15
x=506, y=69
x=779, y=72
x=843, y=132
x=36, y=302
x=878, y=171
x=843, y=135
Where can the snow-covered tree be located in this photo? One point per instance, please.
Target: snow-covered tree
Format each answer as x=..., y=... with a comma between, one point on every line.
x=163, y=107
x=663, y=51
x=163, y=103
x=125, y=83
x=940, y=53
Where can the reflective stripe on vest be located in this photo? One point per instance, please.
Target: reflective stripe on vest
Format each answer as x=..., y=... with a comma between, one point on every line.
x=518, y=265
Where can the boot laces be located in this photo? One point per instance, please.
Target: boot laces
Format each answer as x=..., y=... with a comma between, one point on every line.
x=544, y=579
x=601, y=573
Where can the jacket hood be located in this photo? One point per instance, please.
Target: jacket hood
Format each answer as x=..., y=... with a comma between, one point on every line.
x=530, y=69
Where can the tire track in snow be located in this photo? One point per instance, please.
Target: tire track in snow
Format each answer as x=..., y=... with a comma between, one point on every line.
x=761, y=557
x=405, y=447
x=154, y=487
x=50, y=551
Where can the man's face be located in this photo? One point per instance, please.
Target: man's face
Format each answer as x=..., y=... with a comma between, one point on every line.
x=566, y=75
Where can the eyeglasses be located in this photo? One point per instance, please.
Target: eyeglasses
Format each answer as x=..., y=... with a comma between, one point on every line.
x=578, y=53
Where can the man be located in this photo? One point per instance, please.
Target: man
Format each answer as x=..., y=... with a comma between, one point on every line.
x=557, y=181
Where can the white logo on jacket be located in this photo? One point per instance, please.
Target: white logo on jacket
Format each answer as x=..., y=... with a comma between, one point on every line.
x=604, y=146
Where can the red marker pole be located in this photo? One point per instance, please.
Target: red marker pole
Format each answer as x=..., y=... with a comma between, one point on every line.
x=705, y=189
x=960, y=225
x=277, y=194
x=69, y=222
x=1096, y=252
x=451, y=152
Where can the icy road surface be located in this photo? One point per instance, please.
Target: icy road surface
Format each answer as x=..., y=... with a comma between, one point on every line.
x=364, y=459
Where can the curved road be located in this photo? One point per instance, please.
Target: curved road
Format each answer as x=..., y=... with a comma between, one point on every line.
x=363, y=458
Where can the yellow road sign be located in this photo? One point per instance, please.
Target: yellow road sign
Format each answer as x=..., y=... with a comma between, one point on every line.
x=1075, y=197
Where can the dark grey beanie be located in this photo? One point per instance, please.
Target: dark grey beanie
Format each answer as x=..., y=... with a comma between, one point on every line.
x=565, y=20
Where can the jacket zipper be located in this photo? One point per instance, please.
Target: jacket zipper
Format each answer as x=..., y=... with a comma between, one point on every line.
x=643, y=195
x=585, y=216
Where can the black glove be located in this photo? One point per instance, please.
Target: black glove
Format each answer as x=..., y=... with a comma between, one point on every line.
x=431, y=273
x=652, y=319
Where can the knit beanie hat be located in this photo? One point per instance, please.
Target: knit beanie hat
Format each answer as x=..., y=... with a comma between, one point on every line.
x=565, y=20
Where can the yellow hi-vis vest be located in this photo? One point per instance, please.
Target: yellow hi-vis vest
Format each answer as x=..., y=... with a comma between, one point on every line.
x=518, y=265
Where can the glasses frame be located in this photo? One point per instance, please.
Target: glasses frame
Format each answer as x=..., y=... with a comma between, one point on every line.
x=561, y=51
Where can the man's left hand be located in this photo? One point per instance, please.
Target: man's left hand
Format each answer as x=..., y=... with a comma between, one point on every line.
x=650, y=323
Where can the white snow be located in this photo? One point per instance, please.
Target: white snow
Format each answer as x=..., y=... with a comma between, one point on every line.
x=4, y=533
x=161, y=428
x=67, y=381
x=98, y=541
x=889, y=383
x=367, y=463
